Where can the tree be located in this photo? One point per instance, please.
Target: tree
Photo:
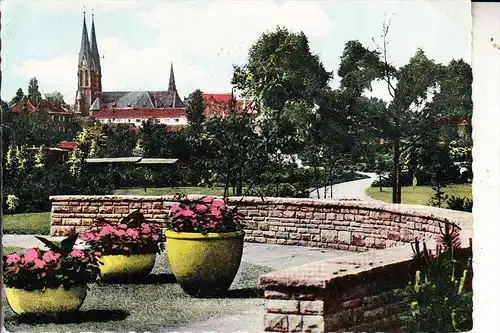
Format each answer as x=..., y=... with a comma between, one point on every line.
x=194, y=110
x=55, y=97
x=33, y=91
x=120, y=139
x=284, y=79
x=19, y=96
x=411, y=87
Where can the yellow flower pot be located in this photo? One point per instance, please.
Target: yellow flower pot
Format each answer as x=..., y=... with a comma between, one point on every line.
x=122, y=266
x=48, y=301
x=204, y=265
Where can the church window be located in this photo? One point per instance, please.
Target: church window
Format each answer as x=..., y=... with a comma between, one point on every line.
x=86, y=78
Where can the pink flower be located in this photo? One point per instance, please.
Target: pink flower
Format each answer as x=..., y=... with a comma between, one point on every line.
x=218, y=203
x=77, y=254
x=175, y=209
x=206, y=200
x=155, y=237
x=120, y=233
x=122, y=226
x=87, y=236
x=13, y=258
x=187, y=213
x=50, y=256
x=39, y=263
x=215, y=212
x=145, y=228
x=30, y=255
x=106, y=230
x=201, y=208
x=132, y=233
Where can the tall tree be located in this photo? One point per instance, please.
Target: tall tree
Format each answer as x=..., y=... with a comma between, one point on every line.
x=19, y=96
x=194, y=109
x=411, y=87
x=33, y=90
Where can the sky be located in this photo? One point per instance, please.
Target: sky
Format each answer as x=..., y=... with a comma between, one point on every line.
x=138, y=40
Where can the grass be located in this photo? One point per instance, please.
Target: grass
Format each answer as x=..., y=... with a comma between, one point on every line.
x=217, y=191
x=12, y=249
x=419, y=195
x=155, y=306
x=27, y=224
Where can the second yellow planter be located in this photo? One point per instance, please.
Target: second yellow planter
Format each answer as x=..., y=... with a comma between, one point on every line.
x=204, y=265
x=122, y=266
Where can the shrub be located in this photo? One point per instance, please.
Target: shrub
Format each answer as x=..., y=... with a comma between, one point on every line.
x=61, y=265
x=204, y=216
x=459, y=203
x=440, y=301
x=132, y=235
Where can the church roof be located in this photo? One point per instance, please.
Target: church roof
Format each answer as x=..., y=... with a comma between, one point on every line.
x=85, y=55
x=142, y=113
x=137, y=99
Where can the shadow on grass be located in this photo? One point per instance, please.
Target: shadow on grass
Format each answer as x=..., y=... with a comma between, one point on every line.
x=238, y=293
x=75, y=317
x=149, y=279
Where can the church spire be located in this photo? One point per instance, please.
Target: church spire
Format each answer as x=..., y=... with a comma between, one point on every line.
x=93, y=47
x=171, y=84
x=85, y=47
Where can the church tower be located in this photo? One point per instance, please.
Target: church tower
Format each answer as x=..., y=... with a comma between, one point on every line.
x=89, y=71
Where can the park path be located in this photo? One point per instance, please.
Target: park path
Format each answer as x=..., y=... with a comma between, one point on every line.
x=354, y=190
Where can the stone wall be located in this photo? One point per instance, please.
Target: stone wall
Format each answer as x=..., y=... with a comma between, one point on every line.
x=345, y=225
x=361, y=292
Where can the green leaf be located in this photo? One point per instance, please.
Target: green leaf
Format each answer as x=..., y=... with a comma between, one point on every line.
x=68, y=243
x=51, y=244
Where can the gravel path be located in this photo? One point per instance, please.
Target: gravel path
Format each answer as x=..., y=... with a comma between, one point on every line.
x=354, y=190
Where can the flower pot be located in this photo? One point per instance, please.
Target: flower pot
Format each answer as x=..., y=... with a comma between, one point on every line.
x=204, y=265
x=119, y=266
x=48, y=301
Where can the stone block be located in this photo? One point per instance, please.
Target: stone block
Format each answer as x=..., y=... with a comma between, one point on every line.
x=288, y=213
x=328, y=236
x=342, y=319
x=281, y=306
x=275, y=322
x=344, y=237
x=294, y=323
x=319, y=216
x=311, y=307
x=264, y=226
x=313, y=324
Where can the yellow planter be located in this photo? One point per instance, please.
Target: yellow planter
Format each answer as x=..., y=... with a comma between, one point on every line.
x=204, y=265
x=49, y=301
x=122, y=266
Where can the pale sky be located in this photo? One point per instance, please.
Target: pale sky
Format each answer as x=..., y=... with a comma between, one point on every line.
x=137, y=40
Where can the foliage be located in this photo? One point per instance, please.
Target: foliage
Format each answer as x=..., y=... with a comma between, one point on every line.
x=194, y=110
x=281, y=69
x=120, y=139
x=132, y=235
x=61, y=265
x=203, y=216
x=438, y=196
x=55, y=97
x=459, y=203
x=440, y=301
x=19, y=96
x=12, y=203
x=33, y=92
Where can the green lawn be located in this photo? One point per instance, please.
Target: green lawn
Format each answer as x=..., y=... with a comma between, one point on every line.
x=418, y=195
x=27, y=224
x=216, y=191
x=11, y=249
x=153, y=306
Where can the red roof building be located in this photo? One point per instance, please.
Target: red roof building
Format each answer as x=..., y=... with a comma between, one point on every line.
x=69, y=145
x=219, y=105
x=34, y=105
x=167, y=116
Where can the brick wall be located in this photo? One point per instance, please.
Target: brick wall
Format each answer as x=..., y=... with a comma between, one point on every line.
x=361, y=292
x=345, y=225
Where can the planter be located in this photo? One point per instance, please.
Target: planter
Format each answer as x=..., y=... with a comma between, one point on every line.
x=122, y=266
x=48, y=301
x=204, y=265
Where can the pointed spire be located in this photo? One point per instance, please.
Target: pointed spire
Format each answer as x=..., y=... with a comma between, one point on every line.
x=93, y=46
x=85, y=46
x=171, y=84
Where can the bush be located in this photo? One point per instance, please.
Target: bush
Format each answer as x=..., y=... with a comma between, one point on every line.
x=460, y=203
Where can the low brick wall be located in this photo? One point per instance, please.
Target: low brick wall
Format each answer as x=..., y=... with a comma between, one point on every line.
x=361, y=292
x=345, y=225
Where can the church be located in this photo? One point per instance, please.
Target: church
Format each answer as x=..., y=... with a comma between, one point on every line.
x=121, y=106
